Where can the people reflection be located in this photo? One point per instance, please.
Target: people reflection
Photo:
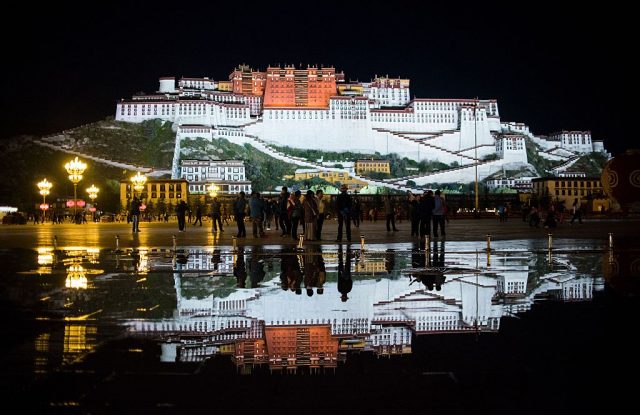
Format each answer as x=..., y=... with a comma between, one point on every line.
x=438, y=261
x=322, y=273
x=313, y=267
x=216, y=259
x=418, y=259
x=345, y=283
x=256, y=267
x=290, y=276
x=240, y=269
x=135, y=260
x=389, y=260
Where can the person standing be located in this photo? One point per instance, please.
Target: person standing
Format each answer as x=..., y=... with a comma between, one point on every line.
x=438, y=214
x=181, y=212
x=414, y=214
x=310, y=215
x=216, y=215
x=343, y=207
x=198, y=215
x=134, y=210
x=577, y=211
x=426, y=209
x=239, y=212
x=321, y=212
x=296, y=212
x=390, y=213
x=283, y=201
x=356, y=211
x=256, y=208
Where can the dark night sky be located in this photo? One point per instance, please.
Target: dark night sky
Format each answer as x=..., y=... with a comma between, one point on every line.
x=549, y=68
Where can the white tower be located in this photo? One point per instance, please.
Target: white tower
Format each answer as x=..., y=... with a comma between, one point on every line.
x=167, y=84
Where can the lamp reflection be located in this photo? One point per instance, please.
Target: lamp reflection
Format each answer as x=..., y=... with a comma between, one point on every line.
x=76, y=277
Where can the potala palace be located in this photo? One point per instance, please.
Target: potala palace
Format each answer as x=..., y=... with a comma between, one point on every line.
x=315, y=108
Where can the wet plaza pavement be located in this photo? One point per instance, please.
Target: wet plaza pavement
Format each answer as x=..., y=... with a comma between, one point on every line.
x=400, y=325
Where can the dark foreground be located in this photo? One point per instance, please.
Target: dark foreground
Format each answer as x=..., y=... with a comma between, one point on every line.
x=564, y=342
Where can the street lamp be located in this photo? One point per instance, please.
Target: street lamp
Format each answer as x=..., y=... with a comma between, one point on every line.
x=75, y=168
x=93, y=194
x=213, y=190
x=138, y=181
x=475, y=143
x=45, y=187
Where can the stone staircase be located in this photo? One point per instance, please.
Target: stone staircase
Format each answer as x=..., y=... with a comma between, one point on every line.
x=426, y=144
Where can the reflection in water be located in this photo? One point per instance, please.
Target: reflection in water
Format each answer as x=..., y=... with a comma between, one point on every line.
x=249, y=305
x=76, y=277
x=264, y=324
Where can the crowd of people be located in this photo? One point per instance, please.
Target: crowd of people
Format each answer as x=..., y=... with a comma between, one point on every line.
x=295, y=213
x=555, y=214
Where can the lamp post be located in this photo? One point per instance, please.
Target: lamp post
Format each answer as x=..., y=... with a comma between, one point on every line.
x=93, y=194
x=75, y=168
x=45, y=187
x=475, y=143
x=138, y=181
x=213, y=190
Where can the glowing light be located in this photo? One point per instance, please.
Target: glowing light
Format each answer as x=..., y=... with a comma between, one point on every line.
x=76, y=277
x=45, y=187
x=138, y=181
x=213, y=190
x=75, y=168
x=93, y=192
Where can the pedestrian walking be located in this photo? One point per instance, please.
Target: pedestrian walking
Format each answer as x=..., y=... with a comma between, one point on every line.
x=198, y=215
x=438, y=214
x=239, y=212
x=216, y=215
x=343, y=207
x=283, y=202
x=390, y=212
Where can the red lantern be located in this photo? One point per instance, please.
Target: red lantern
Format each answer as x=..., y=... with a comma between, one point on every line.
x=92, y=209
x=143, y=206
x=80, y=203
x=44, y=206
x=70, y=203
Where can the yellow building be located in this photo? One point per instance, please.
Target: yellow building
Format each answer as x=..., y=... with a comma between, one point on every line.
x=169, y=190
x=567, y=189
x=351, y=90
x=334, y=177
x=226, y=86
x=376, y=166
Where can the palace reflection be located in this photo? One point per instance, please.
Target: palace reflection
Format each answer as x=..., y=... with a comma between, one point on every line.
x=309, y=309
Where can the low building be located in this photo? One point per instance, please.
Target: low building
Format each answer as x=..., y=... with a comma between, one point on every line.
x=522, y=184
x=169, y=191
x=336, y=178
x=228, y=175
x=373, y=166
x=588, y=190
